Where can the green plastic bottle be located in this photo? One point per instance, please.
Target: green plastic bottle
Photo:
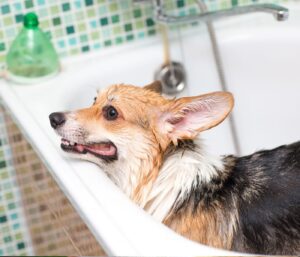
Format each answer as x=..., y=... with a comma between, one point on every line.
x=31, y=57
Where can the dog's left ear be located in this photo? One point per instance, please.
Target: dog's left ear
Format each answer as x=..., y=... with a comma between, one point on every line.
x=154, y=86
x=185, y=117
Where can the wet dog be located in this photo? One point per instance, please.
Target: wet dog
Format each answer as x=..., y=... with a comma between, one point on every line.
x=149, y=146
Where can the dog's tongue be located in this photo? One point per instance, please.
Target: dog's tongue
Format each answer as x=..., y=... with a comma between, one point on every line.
x=102, y=149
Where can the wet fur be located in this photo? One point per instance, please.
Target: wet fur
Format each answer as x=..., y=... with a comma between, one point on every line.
x=252, y=206
x=248, y=204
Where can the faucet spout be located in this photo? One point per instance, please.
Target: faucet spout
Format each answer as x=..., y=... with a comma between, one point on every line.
x=280, y=13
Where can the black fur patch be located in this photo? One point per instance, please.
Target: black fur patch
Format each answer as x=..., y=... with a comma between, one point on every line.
x=265, y=190
x=269, y=202
x=181, y=145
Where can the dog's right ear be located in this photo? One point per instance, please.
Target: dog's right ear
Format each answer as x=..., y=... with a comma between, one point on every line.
x=154, y=86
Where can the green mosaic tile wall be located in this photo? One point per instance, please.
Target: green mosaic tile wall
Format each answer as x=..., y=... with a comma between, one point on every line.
x=77, y=26
x=14, y=234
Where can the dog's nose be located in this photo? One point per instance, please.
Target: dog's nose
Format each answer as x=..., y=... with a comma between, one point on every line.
x=57, y=119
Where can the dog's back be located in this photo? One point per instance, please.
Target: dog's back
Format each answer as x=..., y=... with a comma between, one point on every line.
x=148, y=146
x=268, y=187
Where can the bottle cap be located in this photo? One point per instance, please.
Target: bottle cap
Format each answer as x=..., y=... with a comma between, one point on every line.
x=31, y=20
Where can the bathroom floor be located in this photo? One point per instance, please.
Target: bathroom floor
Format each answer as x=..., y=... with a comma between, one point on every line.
x=54, y=226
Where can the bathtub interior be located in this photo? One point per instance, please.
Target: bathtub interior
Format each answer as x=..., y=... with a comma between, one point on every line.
x=255, y=55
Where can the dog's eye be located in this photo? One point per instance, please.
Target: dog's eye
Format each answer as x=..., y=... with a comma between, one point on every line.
x=110, y=113
x=95, y=99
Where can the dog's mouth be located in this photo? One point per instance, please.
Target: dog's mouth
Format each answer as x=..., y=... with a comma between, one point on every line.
x=104, y=150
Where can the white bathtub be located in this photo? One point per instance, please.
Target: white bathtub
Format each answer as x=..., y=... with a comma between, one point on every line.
x=262, y=66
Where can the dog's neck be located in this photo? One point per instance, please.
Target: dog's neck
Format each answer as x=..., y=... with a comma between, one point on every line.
x=169, y=178
x=185, y=167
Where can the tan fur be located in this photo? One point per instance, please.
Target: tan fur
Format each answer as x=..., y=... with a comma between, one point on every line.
x=215, y=228
x=139, y=106
x=178, y=105
x=154, y=86
x=177, y=109
x=206, y=227
x=131, y=119
x=147, y=180
x=140, y=111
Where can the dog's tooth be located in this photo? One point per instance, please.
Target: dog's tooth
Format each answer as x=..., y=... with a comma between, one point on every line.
x=65, y=142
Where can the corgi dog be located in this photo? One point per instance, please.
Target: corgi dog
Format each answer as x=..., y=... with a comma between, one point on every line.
x=149, y=146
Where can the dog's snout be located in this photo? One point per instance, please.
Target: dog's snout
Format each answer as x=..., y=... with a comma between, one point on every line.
x=57, y=119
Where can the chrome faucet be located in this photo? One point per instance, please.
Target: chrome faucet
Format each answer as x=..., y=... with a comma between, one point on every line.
x=173, y=75
x=280, y=13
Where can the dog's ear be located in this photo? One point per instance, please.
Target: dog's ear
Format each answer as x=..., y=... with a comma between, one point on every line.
x=154, y=86
x=185, y=117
